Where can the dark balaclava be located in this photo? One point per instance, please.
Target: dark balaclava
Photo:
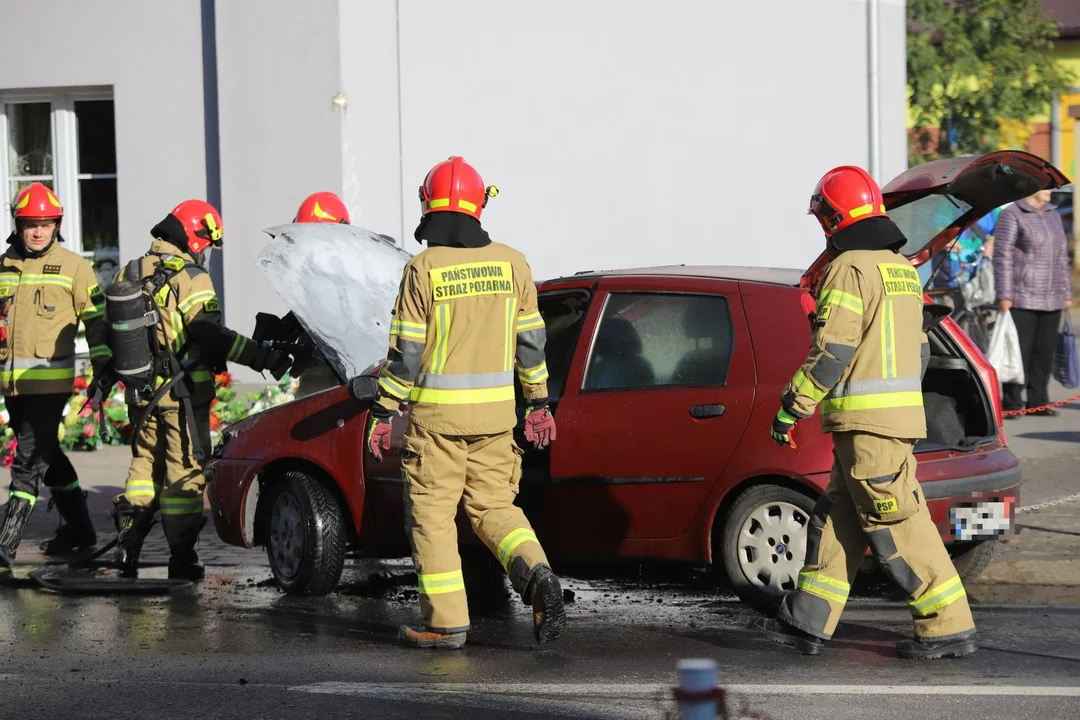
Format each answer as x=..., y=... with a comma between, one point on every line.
x=171, y=230
x=876, y=233
x=451, y=229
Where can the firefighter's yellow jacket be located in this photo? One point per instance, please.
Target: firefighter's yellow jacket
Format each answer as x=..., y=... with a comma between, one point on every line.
x=868, y=351
x=42, y=301
x=190, y=309
x=464, y=320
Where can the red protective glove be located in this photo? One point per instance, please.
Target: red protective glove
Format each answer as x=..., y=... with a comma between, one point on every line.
x=539, y=427
x=378, y=433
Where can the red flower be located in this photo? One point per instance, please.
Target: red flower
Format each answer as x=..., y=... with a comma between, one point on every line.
x=88, y=430
x=12, y=444
x=215, y=422
x=223, y=380
x=86, y=411
x=9, y=460
x=80, y=383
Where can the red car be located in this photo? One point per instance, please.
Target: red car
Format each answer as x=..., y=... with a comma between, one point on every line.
x=664, y=383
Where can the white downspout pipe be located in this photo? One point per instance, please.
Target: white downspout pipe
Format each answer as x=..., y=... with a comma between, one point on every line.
x=875, y=89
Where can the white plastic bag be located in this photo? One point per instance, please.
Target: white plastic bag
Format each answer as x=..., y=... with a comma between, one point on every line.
x=1004, y=352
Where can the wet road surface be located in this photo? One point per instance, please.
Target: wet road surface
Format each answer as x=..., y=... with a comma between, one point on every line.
x=235, y=647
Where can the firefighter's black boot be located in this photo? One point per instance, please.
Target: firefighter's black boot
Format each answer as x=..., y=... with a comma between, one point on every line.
x=77, y=530
x=784, y=634
x=938, y=648
x=184, y=564
x=133, y=523
x=18, y=512
x=545, y=594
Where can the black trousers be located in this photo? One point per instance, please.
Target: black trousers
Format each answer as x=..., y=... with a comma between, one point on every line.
x=35, y=420
x=1038, y=331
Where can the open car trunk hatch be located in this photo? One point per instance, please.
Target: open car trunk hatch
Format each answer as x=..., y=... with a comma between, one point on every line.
x=935, y=202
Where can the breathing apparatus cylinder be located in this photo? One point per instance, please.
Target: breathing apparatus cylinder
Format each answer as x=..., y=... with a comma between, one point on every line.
x=132, y=319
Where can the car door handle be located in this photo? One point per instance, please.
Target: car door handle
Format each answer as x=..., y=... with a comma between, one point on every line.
x=706, y=411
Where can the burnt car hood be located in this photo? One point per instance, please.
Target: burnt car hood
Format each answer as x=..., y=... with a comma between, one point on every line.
x=978, y=184
x=341, y=282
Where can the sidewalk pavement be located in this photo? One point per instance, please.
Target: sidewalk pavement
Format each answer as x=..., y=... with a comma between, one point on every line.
x=102, y=474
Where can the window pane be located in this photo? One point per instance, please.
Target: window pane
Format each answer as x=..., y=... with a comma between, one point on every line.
x=30, y=139
x=563, y=315
x=100, y=227
x=661, y=340
x=97, y=136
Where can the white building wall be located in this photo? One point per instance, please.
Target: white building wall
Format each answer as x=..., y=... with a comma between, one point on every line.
x=280, y=133
x=150, y=53
x=685, y=132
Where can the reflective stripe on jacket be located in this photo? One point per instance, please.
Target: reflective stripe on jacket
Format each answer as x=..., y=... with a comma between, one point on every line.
x=42, y=301
x=464, y=324
x=868, y=350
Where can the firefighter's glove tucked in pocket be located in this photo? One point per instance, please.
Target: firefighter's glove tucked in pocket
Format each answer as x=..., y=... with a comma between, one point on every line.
x=377, y=438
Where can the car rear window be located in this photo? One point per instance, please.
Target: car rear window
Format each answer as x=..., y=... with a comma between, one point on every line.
x=923, y=219
x=650, y=340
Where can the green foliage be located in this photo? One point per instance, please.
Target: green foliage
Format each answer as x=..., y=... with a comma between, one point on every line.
x=975, y=68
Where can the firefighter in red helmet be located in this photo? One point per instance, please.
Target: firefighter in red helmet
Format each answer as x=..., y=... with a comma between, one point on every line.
x=465, y=320
x=169, y=381
x=322, y=207
x=864, y=372
x=45, y=292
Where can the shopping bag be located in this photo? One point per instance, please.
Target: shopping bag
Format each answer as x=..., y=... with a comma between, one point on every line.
x=1066, y=357
x=1004, y=352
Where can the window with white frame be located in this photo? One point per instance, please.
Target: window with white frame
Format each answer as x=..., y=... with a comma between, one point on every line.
x=66, y=140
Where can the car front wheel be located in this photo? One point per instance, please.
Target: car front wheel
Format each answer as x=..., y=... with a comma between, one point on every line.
x=306, y=538
x=763, y=541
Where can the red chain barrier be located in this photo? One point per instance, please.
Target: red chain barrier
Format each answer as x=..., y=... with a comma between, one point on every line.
x=1032, y=411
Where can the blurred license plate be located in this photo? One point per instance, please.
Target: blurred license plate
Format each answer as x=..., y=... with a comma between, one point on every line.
x=978, y=519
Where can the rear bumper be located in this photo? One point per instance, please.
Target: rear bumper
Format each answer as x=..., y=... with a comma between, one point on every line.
x=1000, y=485
x=227, y=486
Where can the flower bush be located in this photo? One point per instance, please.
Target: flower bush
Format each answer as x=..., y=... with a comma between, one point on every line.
x=82, y=429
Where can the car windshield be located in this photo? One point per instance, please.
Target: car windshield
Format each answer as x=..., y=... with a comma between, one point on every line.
x=922, y=220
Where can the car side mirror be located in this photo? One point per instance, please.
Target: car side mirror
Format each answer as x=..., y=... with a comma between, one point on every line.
x=364, y=387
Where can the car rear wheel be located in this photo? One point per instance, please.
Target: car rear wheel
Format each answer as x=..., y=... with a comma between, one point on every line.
x=763, y=541
x=305, y=540
x=971, y=558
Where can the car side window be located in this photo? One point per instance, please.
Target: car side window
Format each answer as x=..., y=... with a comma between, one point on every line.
x=563, y=313
x=652, y=340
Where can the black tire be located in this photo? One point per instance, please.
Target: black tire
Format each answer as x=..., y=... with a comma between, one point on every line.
x=741, y=551
x=971, y=558
x=305, y=536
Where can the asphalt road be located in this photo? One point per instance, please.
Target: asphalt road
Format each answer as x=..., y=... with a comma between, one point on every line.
x=237, y=648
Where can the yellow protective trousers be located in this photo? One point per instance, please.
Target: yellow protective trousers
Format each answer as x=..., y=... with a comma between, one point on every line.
x=165, y=472
x=874, y=499
x=439, y=471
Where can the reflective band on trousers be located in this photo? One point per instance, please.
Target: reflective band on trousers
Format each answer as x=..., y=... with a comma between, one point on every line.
x=815, y=583
x=32, y=499
x=933, y=600
x=512, y=541
x=181, y=506
x=440, y=583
